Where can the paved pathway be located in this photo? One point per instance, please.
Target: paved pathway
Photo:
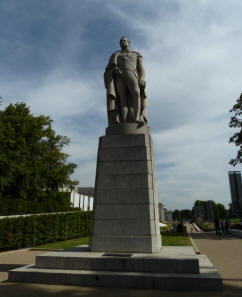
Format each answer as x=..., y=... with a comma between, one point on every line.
x=224, y=252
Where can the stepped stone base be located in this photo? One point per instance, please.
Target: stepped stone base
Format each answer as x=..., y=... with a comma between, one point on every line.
x=173, y=268
x=125, y=214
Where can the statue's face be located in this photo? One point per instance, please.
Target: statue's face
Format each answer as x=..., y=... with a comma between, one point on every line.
x=124, y=43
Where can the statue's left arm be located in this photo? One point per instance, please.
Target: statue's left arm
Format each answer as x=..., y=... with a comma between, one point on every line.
x=141, y=70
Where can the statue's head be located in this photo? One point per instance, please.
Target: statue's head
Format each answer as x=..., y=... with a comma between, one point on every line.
x=124, y=42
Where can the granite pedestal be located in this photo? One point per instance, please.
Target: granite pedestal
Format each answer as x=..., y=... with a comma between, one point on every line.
x=172, y=268
x=125, y=215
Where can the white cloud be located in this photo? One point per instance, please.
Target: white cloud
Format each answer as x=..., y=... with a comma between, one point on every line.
x=192, y=56
x=193, y=64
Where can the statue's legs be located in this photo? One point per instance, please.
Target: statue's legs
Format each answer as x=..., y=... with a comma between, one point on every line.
x=123, y=97
x=127, y=86
x=134, y=89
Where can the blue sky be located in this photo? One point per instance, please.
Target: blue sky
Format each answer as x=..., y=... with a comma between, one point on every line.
x=53, y=55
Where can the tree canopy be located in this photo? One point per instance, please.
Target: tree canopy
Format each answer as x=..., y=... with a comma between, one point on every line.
x=218, y=208
x=33, y=167
x=181, y=215
x=236, y=122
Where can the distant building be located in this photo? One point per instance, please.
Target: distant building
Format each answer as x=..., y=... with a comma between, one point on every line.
x=236, y=191
x=199, y=212
x=167, y=215
x=205, y=212
x=83, y=198
x=164, y=213
x=161, y=212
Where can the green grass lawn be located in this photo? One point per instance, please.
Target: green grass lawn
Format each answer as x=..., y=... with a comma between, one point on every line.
x=65, y=244
x=175, y=239
x=169, y=238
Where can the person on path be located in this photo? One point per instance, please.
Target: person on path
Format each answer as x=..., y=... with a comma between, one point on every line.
x=227, y=224
x=217, y=226
x=223, y=225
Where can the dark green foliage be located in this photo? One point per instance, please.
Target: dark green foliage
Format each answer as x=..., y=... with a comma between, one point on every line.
x=200, y=202
x=236, y=122
x=33, y=167
x=175, y=239
x=39, y=229
x=181, y=228
x=182, y=215
x=236, y=226
x=220, y=211
x=205, y=226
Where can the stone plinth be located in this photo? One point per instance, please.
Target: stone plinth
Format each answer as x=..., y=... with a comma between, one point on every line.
x=173, y=268
x=125, y=215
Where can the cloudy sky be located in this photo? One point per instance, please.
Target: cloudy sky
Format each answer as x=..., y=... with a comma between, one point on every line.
x=53, y=54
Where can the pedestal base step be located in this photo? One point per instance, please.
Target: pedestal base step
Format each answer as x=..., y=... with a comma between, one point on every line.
x=206, y=280
x=126, y=262
x=167, y=270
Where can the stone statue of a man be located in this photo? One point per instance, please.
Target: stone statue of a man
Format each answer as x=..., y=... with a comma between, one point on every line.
x=124, y=80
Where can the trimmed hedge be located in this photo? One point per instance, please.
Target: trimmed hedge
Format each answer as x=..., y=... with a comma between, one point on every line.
x=236, y=226
x=206, y=226
x=180, y=228
x=39, y=229
x=54, y=202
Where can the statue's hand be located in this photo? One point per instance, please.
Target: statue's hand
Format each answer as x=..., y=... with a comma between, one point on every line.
x=116, y=71
x=142, y=83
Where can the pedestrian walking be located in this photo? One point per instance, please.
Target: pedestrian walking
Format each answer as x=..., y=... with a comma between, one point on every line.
x=223, y=226
x=227, y=225
x=217, y=226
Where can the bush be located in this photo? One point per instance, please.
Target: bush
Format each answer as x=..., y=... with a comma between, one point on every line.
x=236, y=226
x=39, y=229
x=56, y=202
x=181, y=228
x=205, y=226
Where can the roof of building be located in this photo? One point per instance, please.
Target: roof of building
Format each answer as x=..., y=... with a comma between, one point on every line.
x=86, y=191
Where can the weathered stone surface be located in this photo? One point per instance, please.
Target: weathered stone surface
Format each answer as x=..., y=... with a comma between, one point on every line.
x=125, y=196
x=125, y=212
x=174, y=268
x=128, y=141
x=125, y=216
x=126, y=167
x=124, y=153
x=127, y=227
x=125, y=71
x=124, y=129
x=127, y=244
x=125, y=181
x=160, y=262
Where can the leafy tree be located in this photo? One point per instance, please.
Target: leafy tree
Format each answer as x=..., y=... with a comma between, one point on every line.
x=218, y=208
x=236, y=122
x=181, y=215
x=176, y=215
x=199, y=202
x=220, y=211
x=33, y=167
x=186, y=214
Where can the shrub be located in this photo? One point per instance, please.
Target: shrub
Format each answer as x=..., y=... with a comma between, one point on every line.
x=236, y=226
x=181, y=228
x=38, y=229
x=205, y=226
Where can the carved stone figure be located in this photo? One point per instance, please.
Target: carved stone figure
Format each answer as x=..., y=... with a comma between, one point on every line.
x=124, y=80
